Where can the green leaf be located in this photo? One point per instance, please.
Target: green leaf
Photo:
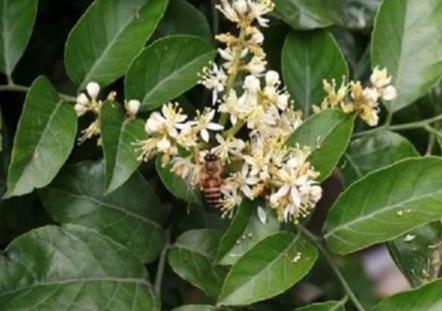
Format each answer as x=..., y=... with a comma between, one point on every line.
x=308, y=14
x=191, y=257
x=44, y=139
x=166, y=69
x=371, y=152
x=72, y=268
x=327, y=134
x=308, y=59
x=417, y=253
x=385, y=204
x=108, y=36
x=245, y=230
x=179, y=187
x=176, y=21
x=424, y=298
x=197, y=308
x=118, y=134
x=130, y=215
x=406, y=40
x=324, y=306
x=17, y=20
x=271, y=267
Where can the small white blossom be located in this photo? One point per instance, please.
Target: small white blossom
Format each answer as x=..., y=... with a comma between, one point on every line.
x=132, y=106
x=214, y=78
x=389, y=93
x=93, y=88
x=380, y=78
x=227, y=148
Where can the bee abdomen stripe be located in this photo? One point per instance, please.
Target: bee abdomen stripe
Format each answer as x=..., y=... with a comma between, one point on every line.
x=212, y=190
x=213, y=195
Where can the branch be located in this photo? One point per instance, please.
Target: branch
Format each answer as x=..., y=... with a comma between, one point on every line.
x=401, y=127
x=162, y=266
x=315, y=240
x=23, y=88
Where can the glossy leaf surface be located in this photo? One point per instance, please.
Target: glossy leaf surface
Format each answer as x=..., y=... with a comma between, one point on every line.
x=246, y=229
x=308, y=59
x=17, y=20
x=108, y=36
x=119, y=133
x=407, y=41
x=424, y=298
x=327, y=134
x=166, y=69
x=372, y=152
x=271, y=267
x=130, y=215
x=44, y=139
x=192, y=256
x=72, y=268
x=385, y=204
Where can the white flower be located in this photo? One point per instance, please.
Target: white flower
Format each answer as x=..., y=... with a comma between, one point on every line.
x=240, y=6
x=259, y=8
x=203, y=124
x=380, y=78
x=80, y=109
x=82, y=99
x=252, y=84
x=132, y=106
x=371, y=94
x=186, y=169
x=228, y=11
x=81, y=105
x=272, y=78
x=256, y=65
x=227, y=148
x=167, y=122
x=164, y=145
x=389, y=93
x=214, y=79
x=93, y=88
x=244, y=181
x=257, y=37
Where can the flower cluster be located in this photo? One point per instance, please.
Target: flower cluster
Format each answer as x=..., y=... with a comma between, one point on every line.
x=170, y=130
x=352, y=97
x=255, y=119
x=88, y=102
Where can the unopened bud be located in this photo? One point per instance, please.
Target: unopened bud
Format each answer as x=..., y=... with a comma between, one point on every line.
x=132, y=106
x=93, y=88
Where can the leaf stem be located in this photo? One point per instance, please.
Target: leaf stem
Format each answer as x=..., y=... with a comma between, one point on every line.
x=401, y=127
x=22, y=88
x=162, y=266
x=317, y=242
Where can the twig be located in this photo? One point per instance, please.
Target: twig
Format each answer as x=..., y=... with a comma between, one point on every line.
x=315, y=240
x=23, y=88
x=401, y=127
x=162, y=265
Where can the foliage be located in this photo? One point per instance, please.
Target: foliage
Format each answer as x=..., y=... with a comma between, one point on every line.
x=103, y=168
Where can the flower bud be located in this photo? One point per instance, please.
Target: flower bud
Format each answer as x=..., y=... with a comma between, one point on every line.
x=80, y=109
x=153, y=123
x=132, y=106
x=272, y=77
x=252, y=84
x=389, y=93
x=82, y=99
x=163, y=145
x=240, y=6
x=93, y=88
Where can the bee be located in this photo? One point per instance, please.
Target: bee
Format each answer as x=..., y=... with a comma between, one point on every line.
x=211, y=180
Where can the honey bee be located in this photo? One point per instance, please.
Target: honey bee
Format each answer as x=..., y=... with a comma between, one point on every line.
x=211, y=180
